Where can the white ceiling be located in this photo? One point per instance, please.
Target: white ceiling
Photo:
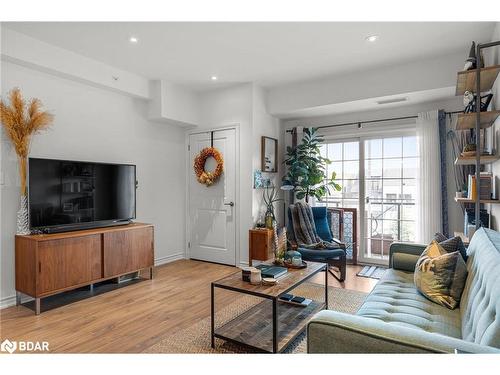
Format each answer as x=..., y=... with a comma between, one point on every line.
x=269, y=54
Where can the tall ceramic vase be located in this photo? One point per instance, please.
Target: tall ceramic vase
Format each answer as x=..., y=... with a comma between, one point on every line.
x=22, y=217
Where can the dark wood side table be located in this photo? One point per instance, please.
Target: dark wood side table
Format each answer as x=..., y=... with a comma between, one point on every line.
x=260, y=245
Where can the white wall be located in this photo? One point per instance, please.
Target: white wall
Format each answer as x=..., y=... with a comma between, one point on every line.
x=455, y=215
x=98, y=125
x=264, y=125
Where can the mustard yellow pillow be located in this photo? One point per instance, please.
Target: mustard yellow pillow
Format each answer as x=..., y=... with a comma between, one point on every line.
x=440, y=276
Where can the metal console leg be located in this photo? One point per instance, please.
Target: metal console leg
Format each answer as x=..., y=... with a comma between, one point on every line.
x=275, y=325
x=37, y=306
x=18, y=298
x=151, y=273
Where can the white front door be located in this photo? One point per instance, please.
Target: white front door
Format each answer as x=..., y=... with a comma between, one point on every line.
x=212, y=210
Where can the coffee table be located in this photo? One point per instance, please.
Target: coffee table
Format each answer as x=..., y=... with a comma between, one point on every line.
x=255, y=327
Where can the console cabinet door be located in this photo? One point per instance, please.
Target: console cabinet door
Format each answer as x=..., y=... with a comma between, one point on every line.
x=127, y=250
x=63, y=263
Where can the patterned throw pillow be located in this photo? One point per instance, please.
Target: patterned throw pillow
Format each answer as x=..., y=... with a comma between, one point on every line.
x=440, y=276
x=451, y=244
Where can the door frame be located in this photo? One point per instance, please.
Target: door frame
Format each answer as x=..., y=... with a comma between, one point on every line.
x=189, y=165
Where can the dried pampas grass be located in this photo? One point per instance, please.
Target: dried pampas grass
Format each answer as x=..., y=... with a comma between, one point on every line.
x=21, y=120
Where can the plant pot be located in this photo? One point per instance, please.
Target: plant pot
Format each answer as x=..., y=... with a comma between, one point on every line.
x=23, y=226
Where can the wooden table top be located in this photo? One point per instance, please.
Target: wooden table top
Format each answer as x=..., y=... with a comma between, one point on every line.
x=83, y=232
x=288, y=281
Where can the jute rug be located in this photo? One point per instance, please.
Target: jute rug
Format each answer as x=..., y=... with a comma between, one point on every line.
x=196, y=338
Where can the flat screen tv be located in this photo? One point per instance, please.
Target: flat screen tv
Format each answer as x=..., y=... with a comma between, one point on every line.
x=68, y=195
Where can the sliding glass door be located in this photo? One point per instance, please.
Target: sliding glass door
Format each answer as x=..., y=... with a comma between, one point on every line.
x=378, y=178
x=390, y=166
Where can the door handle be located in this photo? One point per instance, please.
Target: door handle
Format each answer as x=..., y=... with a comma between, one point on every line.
x=229, y=204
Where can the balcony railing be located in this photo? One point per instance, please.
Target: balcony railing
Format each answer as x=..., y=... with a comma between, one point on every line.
x=344, y=224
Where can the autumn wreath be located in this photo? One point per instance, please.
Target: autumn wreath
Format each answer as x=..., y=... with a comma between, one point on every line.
x=204, y=177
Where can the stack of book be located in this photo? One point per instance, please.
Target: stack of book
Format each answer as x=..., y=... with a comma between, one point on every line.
x=486, y=187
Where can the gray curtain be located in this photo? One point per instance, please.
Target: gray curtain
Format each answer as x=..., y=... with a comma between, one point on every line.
x=444, y=187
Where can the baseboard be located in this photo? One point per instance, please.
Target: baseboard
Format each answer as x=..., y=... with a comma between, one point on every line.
x=8, y=301
x=169, y=258
x=11, y=300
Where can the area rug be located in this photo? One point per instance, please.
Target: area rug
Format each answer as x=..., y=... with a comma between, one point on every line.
x=373, y=272
x=196, y=338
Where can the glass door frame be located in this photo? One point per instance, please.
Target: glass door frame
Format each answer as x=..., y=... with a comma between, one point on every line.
x=362, y=220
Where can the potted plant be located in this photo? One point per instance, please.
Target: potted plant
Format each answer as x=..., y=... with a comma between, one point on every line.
x=307, y=168
x=270, y=196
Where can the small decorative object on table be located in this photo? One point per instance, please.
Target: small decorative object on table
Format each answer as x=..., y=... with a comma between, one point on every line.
x=280, y=241
x=255, y=276
x=21, y=121
x=293, y=259
x=269, y=281
x=251, y=275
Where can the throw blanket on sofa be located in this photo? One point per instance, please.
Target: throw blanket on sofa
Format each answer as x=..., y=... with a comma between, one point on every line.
x=305, y=230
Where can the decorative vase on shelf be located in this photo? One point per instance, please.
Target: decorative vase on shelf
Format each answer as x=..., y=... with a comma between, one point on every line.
x=23, y=227
x=269, y=220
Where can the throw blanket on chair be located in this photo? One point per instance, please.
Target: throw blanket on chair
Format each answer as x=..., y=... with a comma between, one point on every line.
x=304, y=228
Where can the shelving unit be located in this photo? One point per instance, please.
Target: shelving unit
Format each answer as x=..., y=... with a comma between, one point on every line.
x=482, y=201
x=471, y=160
x=466, y=80
x=468, y=120
x=477, y=80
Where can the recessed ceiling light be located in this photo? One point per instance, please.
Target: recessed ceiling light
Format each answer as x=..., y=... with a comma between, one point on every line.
x=133, y=39
x=213, y=78
x=371, y=38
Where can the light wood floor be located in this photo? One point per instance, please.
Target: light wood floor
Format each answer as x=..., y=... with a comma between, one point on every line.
x=135, y=317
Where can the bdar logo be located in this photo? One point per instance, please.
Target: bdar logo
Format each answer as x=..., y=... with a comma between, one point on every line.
x=8, y=346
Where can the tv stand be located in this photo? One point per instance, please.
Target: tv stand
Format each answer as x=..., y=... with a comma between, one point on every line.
x=47, y=264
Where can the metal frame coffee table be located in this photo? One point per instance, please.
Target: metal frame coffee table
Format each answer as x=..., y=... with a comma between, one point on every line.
x=255, y=328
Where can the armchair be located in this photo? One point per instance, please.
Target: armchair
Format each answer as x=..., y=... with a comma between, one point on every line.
x=333, y=257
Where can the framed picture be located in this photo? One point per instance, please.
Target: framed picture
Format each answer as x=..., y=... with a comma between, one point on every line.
x=269, y=155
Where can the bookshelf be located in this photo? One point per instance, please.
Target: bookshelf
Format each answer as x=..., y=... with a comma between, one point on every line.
x=483, y=201
x=477, y=80
x=468, y=120
x=471, y=160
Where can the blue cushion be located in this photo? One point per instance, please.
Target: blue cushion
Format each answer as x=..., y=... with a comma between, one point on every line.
x=320, y=255
x=321, y=222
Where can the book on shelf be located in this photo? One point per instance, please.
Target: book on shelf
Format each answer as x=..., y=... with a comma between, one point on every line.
x=485, y=188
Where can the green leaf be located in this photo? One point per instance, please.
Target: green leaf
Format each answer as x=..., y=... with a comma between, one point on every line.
x=301, y=195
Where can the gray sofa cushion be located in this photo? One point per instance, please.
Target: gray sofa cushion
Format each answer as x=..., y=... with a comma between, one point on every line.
x=480, y=304
x=395, y=300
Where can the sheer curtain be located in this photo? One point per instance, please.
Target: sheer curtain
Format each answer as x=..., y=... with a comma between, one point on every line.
x=428, y=202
